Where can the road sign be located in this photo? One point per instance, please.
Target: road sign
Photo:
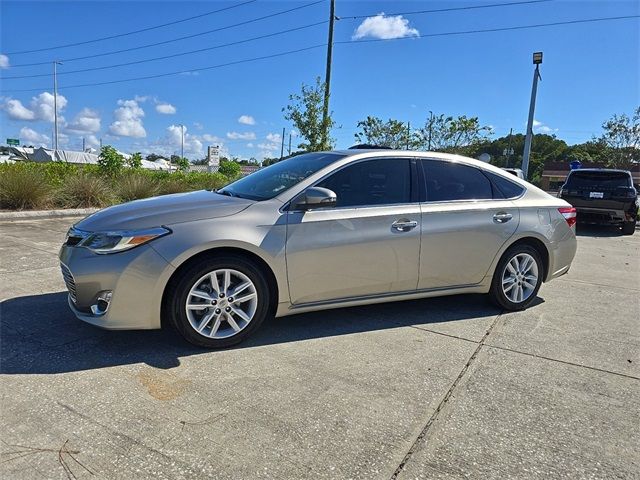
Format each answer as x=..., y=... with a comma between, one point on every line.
x=213, y=156
x=13, y=141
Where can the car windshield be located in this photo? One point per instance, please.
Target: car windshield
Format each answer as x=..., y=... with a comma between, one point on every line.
x=270, y=181
x=598, y=179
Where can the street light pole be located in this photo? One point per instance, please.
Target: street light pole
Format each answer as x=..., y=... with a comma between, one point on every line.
x=55, y=105
x=182, y=141
x=509, y=151
x=537, y=60
x=430, y=127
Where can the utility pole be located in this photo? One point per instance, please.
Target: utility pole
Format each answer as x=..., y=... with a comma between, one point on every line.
x=55, y=104
x=182, y=141
x=537, y=60
x=100, y=143
x=282, y=145
x=509, y=151
x=327, y=78
x=83, y=144
x=430, y=128
x=289, y=143
x=408, y=133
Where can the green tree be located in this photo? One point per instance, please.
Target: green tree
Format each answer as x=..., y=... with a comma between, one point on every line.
x=622, y=137
x=110, y=162
x=392, y=133
x=134, y=161
x=229, y=168
x=452, y=134
x=305, y=112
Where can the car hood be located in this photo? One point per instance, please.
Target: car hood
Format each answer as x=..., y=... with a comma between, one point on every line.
x=163, y=210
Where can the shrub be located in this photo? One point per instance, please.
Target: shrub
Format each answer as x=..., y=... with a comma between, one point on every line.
x=23, y=187
x=134, y=161
x=134, y=186
x=207, y=181
x=85, y=190
x=56, y=172
x=110, y=161
x=175, y=183
x=230, y=169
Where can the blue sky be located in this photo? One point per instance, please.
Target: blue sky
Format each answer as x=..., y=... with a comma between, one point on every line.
x=590, y=70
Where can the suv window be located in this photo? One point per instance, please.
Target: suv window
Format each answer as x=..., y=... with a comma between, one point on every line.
x=587, y=179
x=447, y=181
x=372, y=182
x=504, y=188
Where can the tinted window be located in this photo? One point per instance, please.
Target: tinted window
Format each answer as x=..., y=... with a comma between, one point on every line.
x=506, y=188
x=372, y=182
x=447, y=181
x=273, y=180
x=588, y=179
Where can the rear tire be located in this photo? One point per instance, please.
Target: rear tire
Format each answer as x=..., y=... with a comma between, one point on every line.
x=628, y=228
x=517, y=278
x=206, y=314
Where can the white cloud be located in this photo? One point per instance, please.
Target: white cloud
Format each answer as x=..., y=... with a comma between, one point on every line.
x=86, y=121
x=4, y=61
x=173, y=138
x=17, y=111
x=141, y=98
x=198, y=125
x=268, y=146
x=194, y=74
x=250, y=145
x=128, y=120
x=211, y=138
x=385, y=28
x=539, y=127
x=165, y=108
x=241, y=136
x=27, y=135
x=40, y=108
x=246, y=120
x=274, y=137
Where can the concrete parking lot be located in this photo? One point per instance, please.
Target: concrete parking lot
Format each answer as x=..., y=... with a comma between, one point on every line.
x=438, y=388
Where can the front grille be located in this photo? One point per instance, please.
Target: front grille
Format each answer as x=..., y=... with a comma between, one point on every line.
x=69, y=281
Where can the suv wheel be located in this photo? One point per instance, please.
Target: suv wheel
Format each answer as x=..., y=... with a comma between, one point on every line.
x=628, y=228
x=219, y=302
x=517, y=278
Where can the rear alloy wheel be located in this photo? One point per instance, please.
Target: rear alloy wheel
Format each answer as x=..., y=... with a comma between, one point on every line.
x=517, y=278
x=220, y=302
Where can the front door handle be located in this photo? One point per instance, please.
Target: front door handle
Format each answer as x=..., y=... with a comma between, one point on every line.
x=404, y=225
x=502, y=217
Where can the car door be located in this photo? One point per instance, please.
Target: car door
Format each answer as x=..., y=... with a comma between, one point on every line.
x=368, y=244
x=464, y=223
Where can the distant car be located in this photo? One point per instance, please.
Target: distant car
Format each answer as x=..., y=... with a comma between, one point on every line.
x=603, y=196
x=320, y=230
x=514, y=171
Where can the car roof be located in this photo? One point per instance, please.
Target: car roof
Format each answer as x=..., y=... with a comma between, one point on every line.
x=615, y=170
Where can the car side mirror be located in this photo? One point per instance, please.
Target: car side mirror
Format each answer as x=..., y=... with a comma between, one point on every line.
x=315, y=197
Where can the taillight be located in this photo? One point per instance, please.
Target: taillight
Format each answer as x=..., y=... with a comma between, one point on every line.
x=570, y=215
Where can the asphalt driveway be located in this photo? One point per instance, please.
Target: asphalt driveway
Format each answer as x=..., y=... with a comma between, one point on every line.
x=438, y=388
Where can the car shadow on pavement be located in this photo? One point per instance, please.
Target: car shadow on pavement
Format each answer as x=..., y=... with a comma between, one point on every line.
x=587, y=230
x=39, y=335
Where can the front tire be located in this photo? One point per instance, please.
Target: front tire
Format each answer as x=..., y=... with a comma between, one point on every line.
x=517, y=278
x=220, y=301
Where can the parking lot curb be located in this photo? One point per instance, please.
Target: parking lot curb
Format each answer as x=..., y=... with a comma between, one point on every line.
x=28, y=214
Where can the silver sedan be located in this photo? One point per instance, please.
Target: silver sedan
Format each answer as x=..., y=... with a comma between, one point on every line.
x=316, y=231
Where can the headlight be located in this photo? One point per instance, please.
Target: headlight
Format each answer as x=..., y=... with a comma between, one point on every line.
x=112, y=242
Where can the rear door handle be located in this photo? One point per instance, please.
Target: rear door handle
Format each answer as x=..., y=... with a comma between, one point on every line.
x=404, y=225
x=502, y=217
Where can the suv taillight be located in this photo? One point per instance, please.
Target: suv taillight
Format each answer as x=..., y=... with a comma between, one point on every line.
x=570, y=215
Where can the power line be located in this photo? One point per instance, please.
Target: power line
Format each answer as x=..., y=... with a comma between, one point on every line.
x=452, y=9
x=164, y=42
x=489, y=30
x=164, y=57
x=519, y=27
x=134, y=31
x=167, y=74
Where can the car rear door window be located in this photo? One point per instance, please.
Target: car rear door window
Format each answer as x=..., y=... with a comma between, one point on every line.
x=504, y=188
x=371, y=182
x=450, y=181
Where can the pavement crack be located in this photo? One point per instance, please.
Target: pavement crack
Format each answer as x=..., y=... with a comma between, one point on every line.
x=563, y=362
x=425, y=430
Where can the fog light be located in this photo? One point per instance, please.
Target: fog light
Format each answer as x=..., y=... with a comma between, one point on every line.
x=102, y=303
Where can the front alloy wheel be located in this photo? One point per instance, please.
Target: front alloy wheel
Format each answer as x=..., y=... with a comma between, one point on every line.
x=517, y=278
x=219, y=301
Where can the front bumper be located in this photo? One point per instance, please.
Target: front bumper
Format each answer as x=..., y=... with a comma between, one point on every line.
x=136, y=277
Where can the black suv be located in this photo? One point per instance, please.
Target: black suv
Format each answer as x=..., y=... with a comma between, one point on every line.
x=603, y=196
